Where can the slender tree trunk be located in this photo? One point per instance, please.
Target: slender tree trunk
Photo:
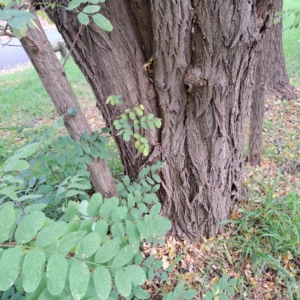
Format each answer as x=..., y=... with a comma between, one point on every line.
x=257, y=113
x=271, y=79
x=277, y=79
x=204, y=55
x=54, y=79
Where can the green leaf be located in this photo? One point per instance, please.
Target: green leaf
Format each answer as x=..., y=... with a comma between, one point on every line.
x=9, y=192
x=132, y=230
x=25, y=152
x=102, y=22
x=107, y=251
x=29, y=226
x=33, y=207
x=223, y=296
x=124, y=256
x=132, y=115
x=69, y=241
x=126, y=137
x=149, y=261
x=156, y=178
x=101, y=227
x=94, y=205
x=144, y=229
x=123, y=283
x=7, y=222
x=51, y=233
x=136, y=274
x=139, y=111
x=57, y=269
x=140, y=293
x=61, y=159
x=208, y=296
x=160, y=225
x=79, y=276
x=155, y=210
x=189, y=294
x=88, y=245
x=130, y=200
x=9, y=267
x=102, y=282
x=157, y=123
x=230, y=290
x=16, y=165
x=83, y=18
x=117, y=230
x=32, y=269
x=119, y=214
x=108, y=206
x=90, y=9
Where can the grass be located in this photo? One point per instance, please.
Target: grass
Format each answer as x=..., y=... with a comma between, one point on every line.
x=291, y=43
x=24, y=101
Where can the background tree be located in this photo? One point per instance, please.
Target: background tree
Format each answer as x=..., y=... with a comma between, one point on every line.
x=211, y=47
x=271, y=79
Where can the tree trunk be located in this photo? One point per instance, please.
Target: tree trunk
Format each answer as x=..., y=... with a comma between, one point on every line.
x=277, y=79
x=257, y=112
x=54, y=79
x=204, y=55
x=271, y=75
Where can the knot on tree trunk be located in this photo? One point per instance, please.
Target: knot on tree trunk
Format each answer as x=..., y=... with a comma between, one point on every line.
x=193, y=78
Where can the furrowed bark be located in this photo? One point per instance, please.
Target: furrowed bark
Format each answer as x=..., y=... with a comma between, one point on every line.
x=114, y=65
x=205, y=53
x=54, y=79
x=271, y=79
x=212, y=48
x=277, y=79
x=257, y=113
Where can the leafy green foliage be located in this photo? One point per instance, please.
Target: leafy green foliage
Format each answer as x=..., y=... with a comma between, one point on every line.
x=134, y=118
x=103, y=235
x=221, y=289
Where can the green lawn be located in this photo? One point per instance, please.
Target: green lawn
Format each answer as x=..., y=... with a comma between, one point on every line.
x=291, y=43
x=23, y=100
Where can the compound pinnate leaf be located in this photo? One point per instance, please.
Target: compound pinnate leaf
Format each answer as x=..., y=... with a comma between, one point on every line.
x=57, y=268
x=107, y=251
x=29, y=226
x=32, y=269
x=123, y=283
x=79, y=279
x=88, y=245
x=9, y=267
x=102, y=282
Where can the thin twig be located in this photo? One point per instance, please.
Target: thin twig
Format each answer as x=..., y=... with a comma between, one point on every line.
x=73, y=44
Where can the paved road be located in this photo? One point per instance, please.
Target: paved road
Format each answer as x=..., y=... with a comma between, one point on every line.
x=14, y=55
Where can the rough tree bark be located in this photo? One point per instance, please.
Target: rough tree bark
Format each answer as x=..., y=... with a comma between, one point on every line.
x=54, y=79
x=277, y=79
x=271, y=79
x=204, y=55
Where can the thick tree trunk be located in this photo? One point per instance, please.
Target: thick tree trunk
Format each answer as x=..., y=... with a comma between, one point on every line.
x=54, y=79
x=204, y=55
